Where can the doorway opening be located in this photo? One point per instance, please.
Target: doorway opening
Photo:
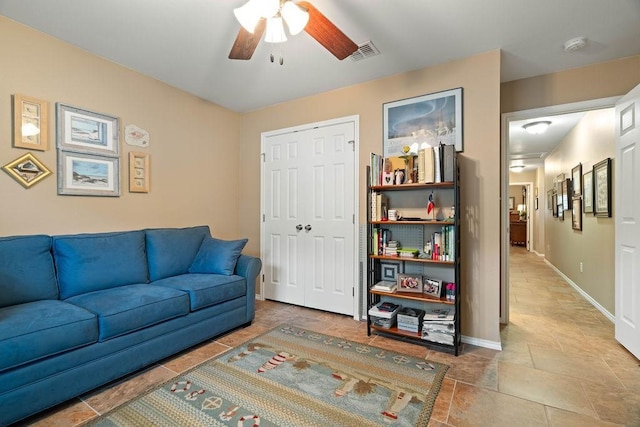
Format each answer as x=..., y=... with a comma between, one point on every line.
x=536, y=166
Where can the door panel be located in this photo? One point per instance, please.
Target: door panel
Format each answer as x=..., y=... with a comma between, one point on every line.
x=627, y=217
x=317, y=268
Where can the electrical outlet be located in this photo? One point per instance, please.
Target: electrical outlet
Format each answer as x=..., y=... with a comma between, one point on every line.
x=581, y=267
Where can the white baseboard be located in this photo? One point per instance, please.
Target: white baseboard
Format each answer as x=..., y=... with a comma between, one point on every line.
x=538, y=253
x=482, y=343
x=585, y=295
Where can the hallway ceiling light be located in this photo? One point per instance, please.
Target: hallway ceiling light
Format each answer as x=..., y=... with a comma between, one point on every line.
x=535, y=128
x=517, y=168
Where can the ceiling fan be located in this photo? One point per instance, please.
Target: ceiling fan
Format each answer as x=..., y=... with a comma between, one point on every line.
x=256, y=16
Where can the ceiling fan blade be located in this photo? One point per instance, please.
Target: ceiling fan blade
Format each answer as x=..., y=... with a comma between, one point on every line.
x=327, y=34
x=246, y=43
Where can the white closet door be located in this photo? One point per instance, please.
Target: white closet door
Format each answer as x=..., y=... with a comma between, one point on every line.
x=309, y=207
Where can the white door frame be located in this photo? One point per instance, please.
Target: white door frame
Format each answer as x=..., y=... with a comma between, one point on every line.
x=355, y=119
x=528, y=205
x=506, y=119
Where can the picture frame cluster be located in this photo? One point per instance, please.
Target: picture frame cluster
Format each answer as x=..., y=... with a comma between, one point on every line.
x=588, y=193
x=87, y=148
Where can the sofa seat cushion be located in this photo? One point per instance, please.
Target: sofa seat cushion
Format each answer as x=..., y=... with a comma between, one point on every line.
x=39, y=329
x=92, y=262
x=129, y=308
x=206, y=289
x=170, y=251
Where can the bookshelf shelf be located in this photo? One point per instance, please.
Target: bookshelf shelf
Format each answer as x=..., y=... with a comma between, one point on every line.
x=424, y=260
x=412, y=296
x=411, y=200
x=421, y=222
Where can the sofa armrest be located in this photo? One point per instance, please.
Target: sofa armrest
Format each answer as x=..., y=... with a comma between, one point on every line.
x=249, y=267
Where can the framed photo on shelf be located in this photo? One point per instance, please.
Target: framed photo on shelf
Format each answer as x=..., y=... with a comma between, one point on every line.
x=432, y=287
x=602, y=188
x=30, y=123
x=576, y=214
x=436, y=116
x=389, y=270
x=576, y=180
x=587, y=192
x=81, y=174
x=409, y=283
x=86, y=131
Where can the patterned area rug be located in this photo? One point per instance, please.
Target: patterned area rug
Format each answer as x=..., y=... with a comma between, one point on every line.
x=292, y=377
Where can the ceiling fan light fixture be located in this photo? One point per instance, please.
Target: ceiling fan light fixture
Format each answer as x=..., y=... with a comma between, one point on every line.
x=517, y=168
x=248, y=15
x=275, y=30
x=295, y=17
x=536, y=128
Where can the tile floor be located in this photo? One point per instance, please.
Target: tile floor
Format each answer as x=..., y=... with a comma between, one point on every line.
x=560, y=365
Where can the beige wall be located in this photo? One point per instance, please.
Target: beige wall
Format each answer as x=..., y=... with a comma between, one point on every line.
x=480, y=78
x=194, y=154
x=614, y=78
x=591, y=141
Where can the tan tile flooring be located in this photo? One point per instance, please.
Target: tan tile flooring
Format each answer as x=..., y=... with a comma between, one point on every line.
x=560, y=365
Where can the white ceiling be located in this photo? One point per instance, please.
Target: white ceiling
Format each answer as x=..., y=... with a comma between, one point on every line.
x=185, y=43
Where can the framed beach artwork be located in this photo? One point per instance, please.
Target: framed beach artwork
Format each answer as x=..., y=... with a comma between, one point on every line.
x=87, y=131
x=427, y=120
x=81, y=174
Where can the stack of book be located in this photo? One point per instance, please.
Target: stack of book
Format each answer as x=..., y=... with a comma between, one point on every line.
x=410, y=319
x=438, y=325
x=391, y=248
x=385, y=286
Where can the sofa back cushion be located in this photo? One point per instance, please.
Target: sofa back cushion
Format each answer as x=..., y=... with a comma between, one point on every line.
x=170, y=251
x=26, y=270
x=92, y=262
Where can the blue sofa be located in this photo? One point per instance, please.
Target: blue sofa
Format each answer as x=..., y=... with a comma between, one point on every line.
x=78, y=311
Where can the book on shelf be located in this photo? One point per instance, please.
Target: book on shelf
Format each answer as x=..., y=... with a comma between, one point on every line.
x=448, y=152
x=440, y=313
x=437, y=165
x=385, y=286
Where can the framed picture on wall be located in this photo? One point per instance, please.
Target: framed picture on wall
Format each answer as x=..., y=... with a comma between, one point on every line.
x=550, y=200
x=436, y=117
x=554, y=205
x=602, y=188
x=81, y=174
x=587, y=192
x=30, y=123
x=576, y=175
x=576, y=214
x=85, y=131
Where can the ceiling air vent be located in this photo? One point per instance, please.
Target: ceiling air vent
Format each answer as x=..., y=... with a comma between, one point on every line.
x=365, y=50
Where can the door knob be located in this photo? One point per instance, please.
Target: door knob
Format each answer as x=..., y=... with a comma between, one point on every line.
x=308, y=227
x=299, y=227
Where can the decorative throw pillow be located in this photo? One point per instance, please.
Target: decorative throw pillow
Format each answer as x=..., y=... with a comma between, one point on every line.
x=217, y=256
